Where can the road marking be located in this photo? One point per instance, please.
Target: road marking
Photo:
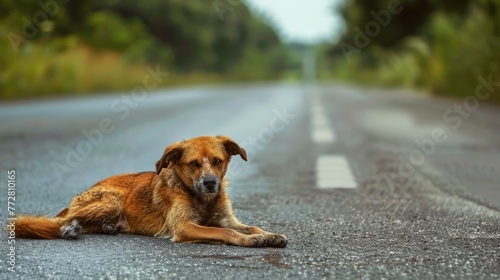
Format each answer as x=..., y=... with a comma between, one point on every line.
x=321, y=131
x=333, y=171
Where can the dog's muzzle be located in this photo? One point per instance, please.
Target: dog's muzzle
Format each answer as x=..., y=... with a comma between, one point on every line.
x=208, y=184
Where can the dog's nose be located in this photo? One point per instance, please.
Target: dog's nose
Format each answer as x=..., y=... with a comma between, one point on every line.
x=210, y=183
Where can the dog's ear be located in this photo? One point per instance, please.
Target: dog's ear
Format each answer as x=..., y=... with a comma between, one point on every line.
x=172, y=153
x=232, y=148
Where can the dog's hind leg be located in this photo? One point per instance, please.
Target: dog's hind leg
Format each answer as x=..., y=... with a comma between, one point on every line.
x=97, y=211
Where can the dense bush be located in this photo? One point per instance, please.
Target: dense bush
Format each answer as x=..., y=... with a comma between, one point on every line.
x=101, y=45
x=455, y=44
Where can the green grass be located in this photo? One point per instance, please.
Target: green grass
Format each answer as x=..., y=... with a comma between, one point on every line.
x=448, y=63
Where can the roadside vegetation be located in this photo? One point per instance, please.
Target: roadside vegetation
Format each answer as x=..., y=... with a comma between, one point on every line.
x=81, y=47
x=442, y=47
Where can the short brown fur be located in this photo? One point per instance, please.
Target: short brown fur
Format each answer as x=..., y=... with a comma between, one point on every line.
x=184, y=200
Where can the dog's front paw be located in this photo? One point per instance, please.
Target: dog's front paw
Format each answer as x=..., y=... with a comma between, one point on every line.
x=255, y=240
x=276, y=240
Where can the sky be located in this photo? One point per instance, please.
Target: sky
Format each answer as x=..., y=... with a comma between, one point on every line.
x=308, y=21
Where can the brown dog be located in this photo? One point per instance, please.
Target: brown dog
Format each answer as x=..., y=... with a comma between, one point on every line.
x=184, y=200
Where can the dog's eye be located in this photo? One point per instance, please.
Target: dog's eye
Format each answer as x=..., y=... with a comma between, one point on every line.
x=194, y=163
x=217, y=161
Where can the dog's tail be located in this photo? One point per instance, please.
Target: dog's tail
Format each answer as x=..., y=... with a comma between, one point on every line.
x=41, y=227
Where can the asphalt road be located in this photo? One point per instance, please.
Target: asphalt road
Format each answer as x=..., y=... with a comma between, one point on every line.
x=365, y=183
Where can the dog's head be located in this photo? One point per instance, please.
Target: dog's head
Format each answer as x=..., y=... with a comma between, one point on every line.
x=201, y=163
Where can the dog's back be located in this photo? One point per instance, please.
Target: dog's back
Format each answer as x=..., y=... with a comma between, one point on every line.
x=112, y=192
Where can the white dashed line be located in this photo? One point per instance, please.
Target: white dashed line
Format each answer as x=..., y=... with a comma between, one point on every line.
x=332, y=171
x=321, y=133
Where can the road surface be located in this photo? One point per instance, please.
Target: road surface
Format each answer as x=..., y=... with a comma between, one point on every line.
x=366, y=183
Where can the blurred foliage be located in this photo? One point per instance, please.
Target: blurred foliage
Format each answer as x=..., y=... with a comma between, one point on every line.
x=439, y=46
x=101, y=45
